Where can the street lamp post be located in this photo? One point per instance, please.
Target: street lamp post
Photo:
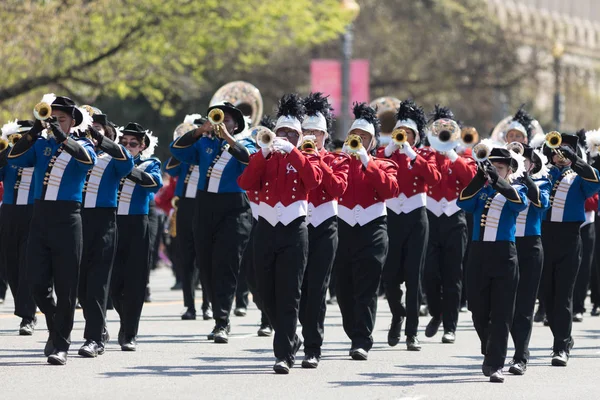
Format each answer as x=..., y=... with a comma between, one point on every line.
x=557, y=53
x=352, y=7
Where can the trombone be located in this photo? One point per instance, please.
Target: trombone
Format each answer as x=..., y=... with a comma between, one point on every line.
x=216, y=116
x=553, y=141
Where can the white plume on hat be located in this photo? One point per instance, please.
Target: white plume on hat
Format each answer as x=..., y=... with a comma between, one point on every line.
x=149, y=151
x=9, y=128
x=543, y=172
x=48, y=98
x=537, y=141
x=520, y=166
x=190, y=118
x=592, y=142
x=86, y=122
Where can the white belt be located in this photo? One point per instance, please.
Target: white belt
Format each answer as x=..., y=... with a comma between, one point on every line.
x=317, y=215
x=403, y=204
x=361, y=215
x=442, y=207
x=281, y=213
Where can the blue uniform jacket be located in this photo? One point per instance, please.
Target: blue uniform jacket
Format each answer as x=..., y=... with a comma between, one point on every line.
x=529, y=222
x=102, y=182
x=18, y=185
x=133, y=198
x=187, y=177
x=568, y=194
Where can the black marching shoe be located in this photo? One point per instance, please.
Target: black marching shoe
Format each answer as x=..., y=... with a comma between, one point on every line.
x=394, y=332
x=595, y=312
x=540, y=315
x=517, y=367
x=449, y=337
x=129, y=344
x=27, y=326
x=412, y=343
x=578, y=317
x=101, y=348
x=359, y=354
x=310, y=361
x=265, y=330
x=432, y=327
x=57, y=358
x=281, y=367
x=49, y=348
x=222, y=334
x=211, y=335
x=560, y=358
x=496, y=376
x=189, y=315
x=89, y=349
x=207, y=314
x=240, y=312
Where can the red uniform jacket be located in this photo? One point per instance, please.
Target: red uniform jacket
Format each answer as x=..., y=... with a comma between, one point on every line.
x=322, y=201
x=456, y=176
x=591, y=209
x=283, y=182
x=414, y=178
x=368, y=188
x=165, y=195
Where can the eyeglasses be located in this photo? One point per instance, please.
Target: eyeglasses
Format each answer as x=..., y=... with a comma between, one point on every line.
x=125, y=143
x=287, y=133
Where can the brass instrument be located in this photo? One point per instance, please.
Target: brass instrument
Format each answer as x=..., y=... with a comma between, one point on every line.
x=469, y=136
x=216, y=116
x=553, y=141
x=481, y=152
x=14, y=138
x=516, y=147
x=42, y=111
x=264, y=137
x=244, y=95
x=399, y=136
x=173, y=219
x=386, y=112
x=443, y=134
x=354, y=143
x=308, y=145
x=3, y=144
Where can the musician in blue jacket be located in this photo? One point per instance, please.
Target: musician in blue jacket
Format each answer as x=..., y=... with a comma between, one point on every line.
x=223, y=220
x=15, y=216
x=492, y=269
x=573, y=181
x=61, y=163
x=99, y=218
x=131, y=269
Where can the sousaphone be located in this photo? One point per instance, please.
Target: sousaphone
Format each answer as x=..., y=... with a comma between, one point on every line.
x=244, y=96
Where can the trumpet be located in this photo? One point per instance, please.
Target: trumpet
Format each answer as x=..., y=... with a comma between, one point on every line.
x=264, y=137
x=216, y=116
x=173, y=218
x=481, y=152
x=3, y=144
x=42, y=111
x=14, y=138
x=308, y=146
x=399, y=137
x=469, y=136
x=516, y=147
x=553, y=141
x=353, y=143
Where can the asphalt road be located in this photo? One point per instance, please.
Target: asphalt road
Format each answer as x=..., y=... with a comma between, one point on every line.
x=174, y=360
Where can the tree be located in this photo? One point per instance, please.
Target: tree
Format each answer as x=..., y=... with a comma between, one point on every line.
x=157, y=49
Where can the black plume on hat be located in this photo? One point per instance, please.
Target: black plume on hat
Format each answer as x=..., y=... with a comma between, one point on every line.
x=524, y=119
x=316, y=103
x=409, y=110
x=291, y=105
x=368, y=113
x=267, y=122
x=441, y=112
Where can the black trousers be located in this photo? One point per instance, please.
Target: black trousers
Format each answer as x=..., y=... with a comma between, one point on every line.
x=222, y=225
x=242, y=291
x=14, y=232
x=53, y=257
x=408, y=235
x=595, y=278
x=155, y=217
x=562, y=256
x=531, y=259
x=443, y=266
x=588, y=241
x=185, y=257
x=463, y=294
x=99, y=247
x=248, y=265
x=360, y=257
x=323, y=243
x=280, y=257
x=492, y=276
x=130, y=271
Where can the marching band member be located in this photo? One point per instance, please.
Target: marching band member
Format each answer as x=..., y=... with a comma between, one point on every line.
x=99, y=218
x=492, y=281
x=15, y=216
x=362, y=230
x=283, y=175
x=530, y=254
x=408, y=226
x=447, y=227
x=61, y=162
x=188, y=177
x=222, y=219
x=322, y=226
x=588, y=239
x=131, y=267
x=573, y=181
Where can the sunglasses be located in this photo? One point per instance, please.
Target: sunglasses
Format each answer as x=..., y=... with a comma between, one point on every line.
x=125, y=143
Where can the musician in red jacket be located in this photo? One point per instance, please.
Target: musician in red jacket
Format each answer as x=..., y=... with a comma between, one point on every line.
x=362, y=230
x=284, y=176
x=588, y=241
x=447, y=226
x=322, y=225
x=408, y=226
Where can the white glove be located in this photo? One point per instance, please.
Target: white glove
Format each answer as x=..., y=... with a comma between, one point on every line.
x=409, y=151
x=390, y=149
x=283, y=145
x=452, y=155
x=265, y=151
x=364, y=156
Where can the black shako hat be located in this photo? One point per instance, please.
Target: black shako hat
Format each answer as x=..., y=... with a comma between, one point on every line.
x=232, y=110
x=502, y=155
x=25, y=125
x=68, y=106
x=135, y=129
x=569, y=139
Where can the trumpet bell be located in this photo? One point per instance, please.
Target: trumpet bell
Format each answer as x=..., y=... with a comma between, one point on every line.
x=264, y=136
x=308, y=146
x=481, y=152
x=516, y=147
x=216, y=116
x=42, y=111
x=469, y=136
x=14, y=138
x=553, y=140
x=354, y=143
x=399, y=136
x=443, y=134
